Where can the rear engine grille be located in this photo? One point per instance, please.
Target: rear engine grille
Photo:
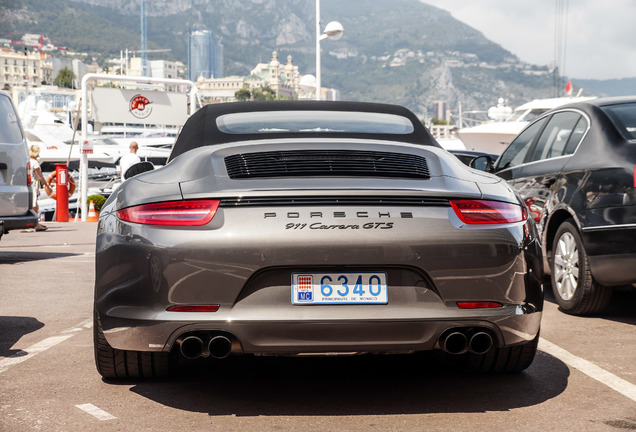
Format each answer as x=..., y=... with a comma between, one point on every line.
x=326, y=163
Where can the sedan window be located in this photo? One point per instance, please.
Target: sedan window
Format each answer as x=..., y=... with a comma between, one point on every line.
x=624, y=118
x=576, y=137
x=555, y=136
x=516, y=152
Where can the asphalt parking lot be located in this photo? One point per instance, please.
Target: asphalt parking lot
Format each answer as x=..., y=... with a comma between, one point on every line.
x=583, y=378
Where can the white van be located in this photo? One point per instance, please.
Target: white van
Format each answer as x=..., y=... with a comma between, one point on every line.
x=15, y=179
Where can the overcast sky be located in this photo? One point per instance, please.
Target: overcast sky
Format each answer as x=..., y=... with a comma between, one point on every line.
x=600, y=41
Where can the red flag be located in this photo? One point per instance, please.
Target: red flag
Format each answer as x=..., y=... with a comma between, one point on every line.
x=568, y=88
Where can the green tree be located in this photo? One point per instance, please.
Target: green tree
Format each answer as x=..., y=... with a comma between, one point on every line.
x=64, y=78
x=264, y=94
x=437, y=121
x=243, y=94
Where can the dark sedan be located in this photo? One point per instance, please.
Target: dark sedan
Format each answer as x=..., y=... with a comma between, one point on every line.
x=290, y=228
x=575, y=169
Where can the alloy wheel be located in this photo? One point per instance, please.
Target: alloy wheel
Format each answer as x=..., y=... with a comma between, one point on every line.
x=566, y=266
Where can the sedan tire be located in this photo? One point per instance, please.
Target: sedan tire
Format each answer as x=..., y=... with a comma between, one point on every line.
x=119, y=364
x=575, y=290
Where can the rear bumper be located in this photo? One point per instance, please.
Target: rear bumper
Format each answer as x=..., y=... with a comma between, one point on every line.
x=29, y=220
x=511, y=325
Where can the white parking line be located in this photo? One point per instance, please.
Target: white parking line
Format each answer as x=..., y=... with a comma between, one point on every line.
x=98, y=413
x=42, y=346
x=625, y=388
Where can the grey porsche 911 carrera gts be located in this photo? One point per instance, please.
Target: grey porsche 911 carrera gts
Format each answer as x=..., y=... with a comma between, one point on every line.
x=303, y=227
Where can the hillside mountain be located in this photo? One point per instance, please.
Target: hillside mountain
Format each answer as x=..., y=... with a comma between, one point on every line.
x=402, y=51
x=612, y=87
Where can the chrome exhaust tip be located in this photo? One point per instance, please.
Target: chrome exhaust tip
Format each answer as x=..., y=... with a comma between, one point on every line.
x=220, y=347
x=480, y=343
x=455, y=343
x=191, y=347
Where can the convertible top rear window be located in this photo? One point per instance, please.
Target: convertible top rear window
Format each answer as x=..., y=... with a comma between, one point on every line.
x=227, y=123
x=314, y=121
x=624, y=118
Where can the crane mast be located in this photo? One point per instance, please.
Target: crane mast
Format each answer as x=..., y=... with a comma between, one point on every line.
x=144, y=40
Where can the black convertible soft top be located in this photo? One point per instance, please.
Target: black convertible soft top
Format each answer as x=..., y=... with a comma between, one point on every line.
x=245, y=121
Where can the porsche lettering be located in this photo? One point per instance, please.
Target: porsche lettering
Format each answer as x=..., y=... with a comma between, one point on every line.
x=338, y=214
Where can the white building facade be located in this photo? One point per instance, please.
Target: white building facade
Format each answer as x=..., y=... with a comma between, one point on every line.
x=216, y=90
x=25, y=68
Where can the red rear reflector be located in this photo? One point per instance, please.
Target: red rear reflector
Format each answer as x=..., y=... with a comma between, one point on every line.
x=193, y=308
x=487, y=212
x=192, y=213
x=478, y=305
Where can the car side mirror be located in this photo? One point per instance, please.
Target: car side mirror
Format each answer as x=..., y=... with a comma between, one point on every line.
x=482, y=163
x=138, y=168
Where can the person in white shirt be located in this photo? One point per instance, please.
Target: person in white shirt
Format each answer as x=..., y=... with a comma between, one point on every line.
x=129, y=159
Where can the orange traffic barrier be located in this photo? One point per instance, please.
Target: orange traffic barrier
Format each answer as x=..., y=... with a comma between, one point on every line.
x=92, y=215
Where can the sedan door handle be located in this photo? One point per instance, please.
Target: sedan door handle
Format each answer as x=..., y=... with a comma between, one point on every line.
x=548, y=181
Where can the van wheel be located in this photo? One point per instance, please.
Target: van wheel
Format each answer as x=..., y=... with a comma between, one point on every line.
x=575, y=290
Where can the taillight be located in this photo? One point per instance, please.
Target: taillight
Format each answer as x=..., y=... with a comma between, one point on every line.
x=487, y=212
x=185, y=213
x=29, y=179
x=478, y=305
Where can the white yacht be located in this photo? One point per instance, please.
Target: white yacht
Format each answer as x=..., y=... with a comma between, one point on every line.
x=54, y=134
x=493, y=137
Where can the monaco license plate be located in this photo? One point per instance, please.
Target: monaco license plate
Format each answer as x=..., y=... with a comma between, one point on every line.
x=336, y=288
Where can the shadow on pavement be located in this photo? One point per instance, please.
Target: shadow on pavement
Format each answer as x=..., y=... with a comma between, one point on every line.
x=13, y=328
x=620, y=308
x=362, y=385
x=20, y=257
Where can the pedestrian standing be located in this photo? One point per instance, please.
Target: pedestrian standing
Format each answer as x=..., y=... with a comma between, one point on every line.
x=37, y=181
x=129, y=159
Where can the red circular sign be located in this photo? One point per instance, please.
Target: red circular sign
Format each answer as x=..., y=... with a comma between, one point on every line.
x=139, y=106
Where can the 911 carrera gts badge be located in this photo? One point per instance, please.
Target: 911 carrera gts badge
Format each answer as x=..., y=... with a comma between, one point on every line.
x=139, y=106
x=305, y=290
x=322, y=226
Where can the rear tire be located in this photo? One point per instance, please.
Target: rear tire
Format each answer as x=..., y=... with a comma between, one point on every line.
x=112, y=363
x=503, y=360
x=575, y=290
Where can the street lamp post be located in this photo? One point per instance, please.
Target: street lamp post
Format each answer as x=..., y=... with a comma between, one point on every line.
x=333, y=30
